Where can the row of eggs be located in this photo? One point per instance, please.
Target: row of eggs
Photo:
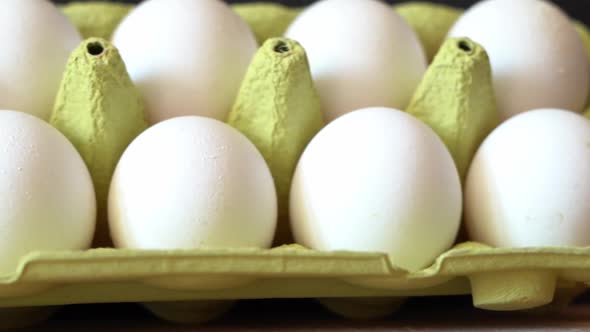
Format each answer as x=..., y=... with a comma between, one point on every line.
x=361, y=54
x=375, y=179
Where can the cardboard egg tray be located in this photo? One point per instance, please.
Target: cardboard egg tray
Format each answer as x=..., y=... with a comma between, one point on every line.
x=358, y=285
x=199, y=285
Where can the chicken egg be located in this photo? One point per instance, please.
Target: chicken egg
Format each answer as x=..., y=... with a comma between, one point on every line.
x=361, y=54
x=377, y=179
x=187, y=57
x=529, y=183
x=537, y=58
x=192, y=182
x=47, y=199
x=36, y=40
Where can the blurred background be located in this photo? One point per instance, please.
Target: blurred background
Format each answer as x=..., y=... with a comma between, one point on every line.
x=578, y=9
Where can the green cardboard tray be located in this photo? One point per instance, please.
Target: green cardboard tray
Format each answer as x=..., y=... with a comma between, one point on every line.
x=498, y=279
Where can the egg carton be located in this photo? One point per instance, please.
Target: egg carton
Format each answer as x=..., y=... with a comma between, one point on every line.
x=200, y=285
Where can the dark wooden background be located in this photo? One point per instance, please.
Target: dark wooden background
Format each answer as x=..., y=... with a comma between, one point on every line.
x=448, y=314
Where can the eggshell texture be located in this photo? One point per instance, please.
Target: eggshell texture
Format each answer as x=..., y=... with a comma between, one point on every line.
x=188, y=57
x=377, y=179
x=36, y=40
x=538, y=60
x=47, y=199
x=192, y=182
x=361, y=54
x=529, y=183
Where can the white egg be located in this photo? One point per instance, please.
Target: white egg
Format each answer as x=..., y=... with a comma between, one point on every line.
x=377, y=179
x=537, y=58
x=529, y=183
x=47, y=199
x=188, y=57
x=37, y=40
x=361, y=54
x=192, y=182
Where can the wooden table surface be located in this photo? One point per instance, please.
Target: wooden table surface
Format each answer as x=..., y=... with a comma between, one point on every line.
x=422, y=314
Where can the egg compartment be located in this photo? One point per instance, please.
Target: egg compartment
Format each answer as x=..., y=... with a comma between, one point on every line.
x=200, y=285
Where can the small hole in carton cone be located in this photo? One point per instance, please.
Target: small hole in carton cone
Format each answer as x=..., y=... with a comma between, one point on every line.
x=95, y=48
x=281, y=47
x=465, y=46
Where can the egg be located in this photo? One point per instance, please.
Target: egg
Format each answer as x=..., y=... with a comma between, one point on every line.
x=36, y=40
x=47, y=199
x=361, y=54
x=537, y=58
x=187, y=57
x=377, y=179
x=192, y=182
x=529, y=183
